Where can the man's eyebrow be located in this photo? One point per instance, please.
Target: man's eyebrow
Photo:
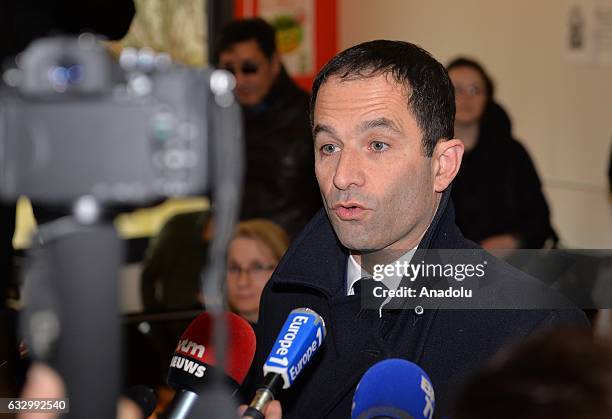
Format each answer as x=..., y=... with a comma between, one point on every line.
x=319, y=128
x=381, y=122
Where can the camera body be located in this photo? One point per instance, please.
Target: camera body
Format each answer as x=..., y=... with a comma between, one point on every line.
x=75, y=122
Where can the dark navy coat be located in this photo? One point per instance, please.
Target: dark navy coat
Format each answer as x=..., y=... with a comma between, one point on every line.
x=448, y=344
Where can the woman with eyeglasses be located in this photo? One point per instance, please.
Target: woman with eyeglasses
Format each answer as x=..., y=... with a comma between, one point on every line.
x=254, y=251
x=497, y=194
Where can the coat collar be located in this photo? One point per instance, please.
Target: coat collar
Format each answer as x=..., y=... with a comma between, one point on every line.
x=315, y=256
x=318, y=261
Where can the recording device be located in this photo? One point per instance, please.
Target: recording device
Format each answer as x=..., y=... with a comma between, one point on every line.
x=394, y=389
x=299, y=339
x=194, y=364
x=77, y=128
x=74, y=122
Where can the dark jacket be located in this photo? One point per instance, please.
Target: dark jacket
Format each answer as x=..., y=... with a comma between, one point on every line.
x=447, y=344
x=497, y=189
x=280, y=183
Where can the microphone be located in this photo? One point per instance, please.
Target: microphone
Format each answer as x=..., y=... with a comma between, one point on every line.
x=299, y=338
x=394, y=389
x=193, y=365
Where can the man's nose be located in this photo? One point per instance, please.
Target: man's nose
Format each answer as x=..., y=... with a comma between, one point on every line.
x=240, y=78
x=349, y=170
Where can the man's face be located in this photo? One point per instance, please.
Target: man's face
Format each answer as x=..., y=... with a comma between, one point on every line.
x=255, y=74
x=376, y=183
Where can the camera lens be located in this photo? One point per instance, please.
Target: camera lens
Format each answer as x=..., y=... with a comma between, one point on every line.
x=74, y=73
x=59, y=78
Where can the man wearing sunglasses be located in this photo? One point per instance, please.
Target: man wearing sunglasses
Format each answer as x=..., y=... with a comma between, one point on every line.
x=279, y=183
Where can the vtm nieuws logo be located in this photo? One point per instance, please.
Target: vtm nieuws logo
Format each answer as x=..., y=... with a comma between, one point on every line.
x=188, y=347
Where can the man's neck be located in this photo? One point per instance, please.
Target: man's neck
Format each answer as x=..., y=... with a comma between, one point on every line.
x=268, y=100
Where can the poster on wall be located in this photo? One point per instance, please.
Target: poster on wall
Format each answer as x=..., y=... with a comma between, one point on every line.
x=293, y=21
x=588, y=31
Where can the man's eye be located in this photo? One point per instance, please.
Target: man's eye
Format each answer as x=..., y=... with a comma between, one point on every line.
x=329, y=149
x=379, y=146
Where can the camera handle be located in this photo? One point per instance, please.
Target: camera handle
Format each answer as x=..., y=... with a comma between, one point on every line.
x=71, y=316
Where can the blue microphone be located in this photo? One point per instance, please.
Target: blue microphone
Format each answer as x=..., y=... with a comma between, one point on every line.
x=394, y=389
x=300, y=337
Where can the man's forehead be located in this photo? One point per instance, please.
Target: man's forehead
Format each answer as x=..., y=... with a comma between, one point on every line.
x=391, y=112
x=246, y=47
x=368, y=77
x=360, y=84
x=365, y=125
x=375, y=94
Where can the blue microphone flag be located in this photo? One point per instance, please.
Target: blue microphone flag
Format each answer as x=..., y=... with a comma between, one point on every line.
x=300, y=337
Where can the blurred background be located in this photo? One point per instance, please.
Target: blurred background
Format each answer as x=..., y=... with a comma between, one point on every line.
x=560, y=100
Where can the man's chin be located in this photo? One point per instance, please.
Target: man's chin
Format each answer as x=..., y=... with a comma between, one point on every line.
x=354, y=239
x=248, y=100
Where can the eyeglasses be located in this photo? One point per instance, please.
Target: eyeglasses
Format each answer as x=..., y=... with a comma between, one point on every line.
x=469, y=90
x=255, y=271
x=247, y=68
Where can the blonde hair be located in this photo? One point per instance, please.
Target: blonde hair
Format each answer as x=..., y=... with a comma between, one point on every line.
x=265, y=231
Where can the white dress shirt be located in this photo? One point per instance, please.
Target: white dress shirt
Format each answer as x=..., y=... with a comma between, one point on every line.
x=354, y=273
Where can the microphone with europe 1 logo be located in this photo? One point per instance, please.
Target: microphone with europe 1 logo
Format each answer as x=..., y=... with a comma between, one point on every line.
x=394, y=389
x=300, y=337
x=193, y=365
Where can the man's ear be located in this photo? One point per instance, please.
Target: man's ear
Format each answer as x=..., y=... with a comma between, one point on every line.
x=446, y=160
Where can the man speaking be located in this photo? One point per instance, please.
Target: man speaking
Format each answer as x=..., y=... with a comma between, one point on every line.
x=382, y=118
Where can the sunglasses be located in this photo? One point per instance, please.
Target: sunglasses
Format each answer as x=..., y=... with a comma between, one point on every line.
x=247, y=67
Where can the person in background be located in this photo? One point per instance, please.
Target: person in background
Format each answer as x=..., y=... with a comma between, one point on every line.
x=497, y=193
x=170, y=277
x=562, y=373
x=255, y=250
x=279, y=182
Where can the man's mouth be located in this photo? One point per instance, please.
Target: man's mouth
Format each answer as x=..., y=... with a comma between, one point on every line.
x=245, y=89
x=349, y=211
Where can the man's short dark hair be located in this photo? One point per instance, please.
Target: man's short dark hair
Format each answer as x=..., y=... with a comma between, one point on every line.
x=245, y=30
x=431, y=96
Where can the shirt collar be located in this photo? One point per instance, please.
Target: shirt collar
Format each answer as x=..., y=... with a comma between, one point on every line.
x=354, y=273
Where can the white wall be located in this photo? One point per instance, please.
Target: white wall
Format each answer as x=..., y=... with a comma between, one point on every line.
x=562, y=111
